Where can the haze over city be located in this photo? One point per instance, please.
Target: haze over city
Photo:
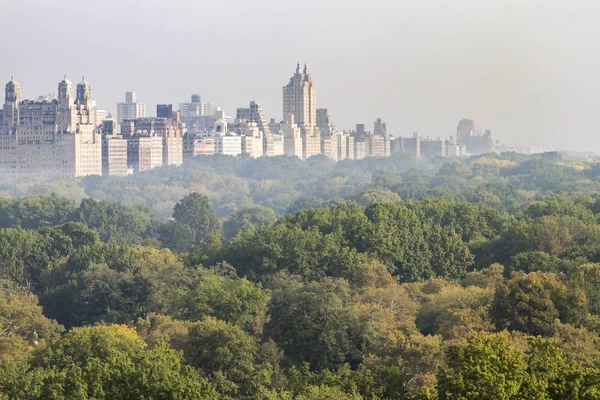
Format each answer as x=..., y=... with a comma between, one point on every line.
x=527, y=70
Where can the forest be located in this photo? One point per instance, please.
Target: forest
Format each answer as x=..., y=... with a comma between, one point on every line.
x=277, y=279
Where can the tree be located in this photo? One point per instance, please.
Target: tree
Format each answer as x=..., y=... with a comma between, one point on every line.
x=227, y=355
x=531, y=302
x=378, y=196
x=587, y=278
x=33, y=212
x=113, y=220
x=327, y=393
x=195, y=211
x=110, y=362
x=396, y=237
x=313, y=322
x=486, y=368
x=247, y=218
x=177, y=236
x=456, y=312
x=261, y=252
x=232, y=299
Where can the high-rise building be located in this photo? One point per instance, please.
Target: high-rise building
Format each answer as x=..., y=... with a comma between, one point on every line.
x=53, y=138
x=329, y=146
x=164, y=110
x=433, y=148
x=325, y=122
x=131, y=109
x=465, y=130
x=114, y=155
x=475, y=142
x=300, y=98
x=192, y=109
x=292, y=137
x=380, y=127
x=198, y=146
x=411, y=146
x=255, y=114
x=360, y=150
x=168, y=130
x=144, y=152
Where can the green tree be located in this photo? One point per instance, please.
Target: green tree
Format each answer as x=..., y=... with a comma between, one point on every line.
x=110, y=362
x=378, y=196
x=113, y=220
x=227, y=355
x=33, y=212
x=486, y=368
x=195, y=211
x=229, y=298
x=247, y=218
x=531, y=302
x=396, y=237
x=313, y=322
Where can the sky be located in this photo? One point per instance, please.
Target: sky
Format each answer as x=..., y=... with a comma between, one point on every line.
x=528, y=70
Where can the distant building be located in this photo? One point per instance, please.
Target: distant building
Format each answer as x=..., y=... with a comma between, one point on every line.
x=378, y=145
x=229, y=145
x=114, y=155
x=329, y=147
x=325, y=123
x=169, y=132
x=410, y=146
x=465, y=130
x=292, y=137
x=164, y=110
x=278, y=145
x=255, y=114
x=300, y=98
x=51, y=138
x=144, y=153
x=131, y=109
x=360, y=132
x=198, y=146
x=99, y=115
x=360, y=150
x=475, y=142
x=380, y=128
x=350, y=148
x=311, y=143
x=433, y=148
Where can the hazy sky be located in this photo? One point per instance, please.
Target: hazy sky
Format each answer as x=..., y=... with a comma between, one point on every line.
x=529, y=70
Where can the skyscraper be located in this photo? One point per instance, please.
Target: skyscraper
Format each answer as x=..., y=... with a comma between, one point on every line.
x=465, y=130
x=300, y=98
x=131, y=109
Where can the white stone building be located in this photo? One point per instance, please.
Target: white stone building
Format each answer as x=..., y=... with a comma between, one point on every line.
x=52, y=138
x=131, y=109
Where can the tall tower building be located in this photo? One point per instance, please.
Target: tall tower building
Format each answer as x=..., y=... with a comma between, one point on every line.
x=65, y=117
x=131, y=109
x=300, y=98
x=12, y=96
x=465, y=130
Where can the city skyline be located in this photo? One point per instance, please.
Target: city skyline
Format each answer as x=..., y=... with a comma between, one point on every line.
x=523, y=70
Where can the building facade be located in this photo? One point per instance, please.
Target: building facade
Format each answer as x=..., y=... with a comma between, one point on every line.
x=130, y=109
x=300, y=98
x=51, y=138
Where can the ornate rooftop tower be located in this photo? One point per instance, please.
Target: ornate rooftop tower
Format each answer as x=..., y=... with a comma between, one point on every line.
x=300, y=98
